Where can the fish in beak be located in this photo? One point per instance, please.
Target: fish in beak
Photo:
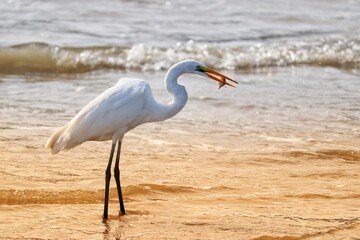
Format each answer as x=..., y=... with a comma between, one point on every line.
x=214, y=75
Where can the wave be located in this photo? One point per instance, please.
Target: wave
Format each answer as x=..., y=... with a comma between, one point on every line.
x=23, y=197
x=32, y=196
x=29, y=196
x=151, y=191
x=343, y=53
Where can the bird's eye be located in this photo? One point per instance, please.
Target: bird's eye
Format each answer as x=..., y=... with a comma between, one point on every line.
x=200, y=68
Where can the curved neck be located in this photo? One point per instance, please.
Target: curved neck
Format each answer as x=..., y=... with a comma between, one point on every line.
x=170, y=80
x=180, y=97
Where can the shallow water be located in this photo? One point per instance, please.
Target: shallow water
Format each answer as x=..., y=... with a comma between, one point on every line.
x=276, y=158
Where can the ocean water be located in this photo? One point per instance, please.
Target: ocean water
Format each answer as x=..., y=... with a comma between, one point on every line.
x=276, y=157
x=47, y=36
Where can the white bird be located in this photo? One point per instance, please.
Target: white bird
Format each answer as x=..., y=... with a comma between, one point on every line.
x=123, y=107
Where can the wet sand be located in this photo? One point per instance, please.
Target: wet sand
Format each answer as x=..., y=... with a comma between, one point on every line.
x=181, y=185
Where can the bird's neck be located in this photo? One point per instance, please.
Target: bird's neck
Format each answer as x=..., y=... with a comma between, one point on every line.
x=178, y=92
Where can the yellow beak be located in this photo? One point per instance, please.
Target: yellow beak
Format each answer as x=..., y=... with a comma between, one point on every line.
x=219, y=77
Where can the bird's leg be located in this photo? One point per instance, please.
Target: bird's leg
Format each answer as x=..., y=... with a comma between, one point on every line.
x=117, y=178
x=107, y=181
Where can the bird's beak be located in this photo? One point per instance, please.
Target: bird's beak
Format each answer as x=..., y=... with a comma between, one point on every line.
x=220, y=78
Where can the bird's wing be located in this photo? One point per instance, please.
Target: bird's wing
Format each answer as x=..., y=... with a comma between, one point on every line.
x=121, y=107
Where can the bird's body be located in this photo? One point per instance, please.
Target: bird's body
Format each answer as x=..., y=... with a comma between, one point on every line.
x=123, y=107
x=109, y=116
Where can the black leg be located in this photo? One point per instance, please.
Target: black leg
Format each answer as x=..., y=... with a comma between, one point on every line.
x=107, y=181
x=117, y=178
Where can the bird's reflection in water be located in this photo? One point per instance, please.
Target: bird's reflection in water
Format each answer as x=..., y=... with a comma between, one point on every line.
x=114, y=227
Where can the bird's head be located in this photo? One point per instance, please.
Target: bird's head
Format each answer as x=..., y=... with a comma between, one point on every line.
x=198, y=68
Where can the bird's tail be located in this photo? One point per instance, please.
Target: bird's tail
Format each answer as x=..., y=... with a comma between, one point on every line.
x=58, y=140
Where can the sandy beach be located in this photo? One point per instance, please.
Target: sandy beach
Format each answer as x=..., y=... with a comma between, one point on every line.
x=188, y=187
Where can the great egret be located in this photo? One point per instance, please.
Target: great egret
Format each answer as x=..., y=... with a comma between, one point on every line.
x=123, y=107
